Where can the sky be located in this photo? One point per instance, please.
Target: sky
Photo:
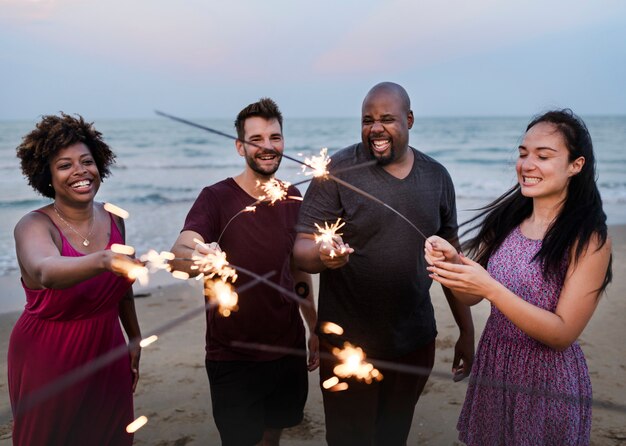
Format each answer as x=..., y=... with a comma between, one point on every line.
x=203, y=58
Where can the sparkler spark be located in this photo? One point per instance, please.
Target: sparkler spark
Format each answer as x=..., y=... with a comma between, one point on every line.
x=221, y=293
x=330, y=382
x=317, y=164
x=274, y=190
x=354, y=364
x=155, y=261
x=182, y=275
x=329, y=235
x=331, y=328
x=116, y=210
x=137, y=424
x=139, y=273
x=147, y=341
x=213, y=264
x=122, y=249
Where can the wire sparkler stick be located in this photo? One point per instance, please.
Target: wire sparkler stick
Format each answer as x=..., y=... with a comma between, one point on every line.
x=422, y=371
x=263, y=280
x=226, y=135
x=316, y=165
x=274, y=190
x=377, y=200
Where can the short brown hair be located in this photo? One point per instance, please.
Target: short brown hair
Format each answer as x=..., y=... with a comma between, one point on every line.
x=52, y=134
x=265, y=108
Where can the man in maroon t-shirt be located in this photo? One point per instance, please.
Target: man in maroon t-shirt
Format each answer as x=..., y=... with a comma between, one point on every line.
x=254, y=393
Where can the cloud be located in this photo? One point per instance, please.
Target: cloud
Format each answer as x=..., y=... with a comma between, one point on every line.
x=405, y=34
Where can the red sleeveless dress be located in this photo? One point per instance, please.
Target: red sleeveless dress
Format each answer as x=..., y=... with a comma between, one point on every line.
x=59, y=331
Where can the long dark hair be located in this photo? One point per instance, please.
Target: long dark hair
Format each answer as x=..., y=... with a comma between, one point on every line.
x=580, y=217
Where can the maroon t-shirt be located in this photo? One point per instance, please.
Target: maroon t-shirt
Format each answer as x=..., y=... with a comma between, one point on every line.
x=259, y=241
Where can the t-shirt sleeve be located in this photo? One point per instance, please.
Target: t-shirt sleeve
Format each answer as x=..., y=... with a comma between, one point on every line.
x=449, y=225
x=321, y=203
x=203, y=217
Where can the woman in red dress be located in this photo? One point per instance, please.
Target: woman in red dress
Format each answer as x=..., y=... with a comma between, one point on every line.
x=76, y=296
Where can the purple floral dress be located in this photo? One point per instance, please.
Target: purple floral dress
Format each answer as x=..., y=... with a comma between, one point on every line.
x=522, y=392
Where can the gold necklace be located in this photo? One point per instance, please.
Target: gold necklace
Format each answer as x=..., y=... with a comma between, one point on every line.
x=85, y=239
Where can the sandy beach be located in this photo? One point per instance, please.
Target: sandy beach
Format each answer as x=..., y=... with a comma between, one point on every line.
x=174, y=394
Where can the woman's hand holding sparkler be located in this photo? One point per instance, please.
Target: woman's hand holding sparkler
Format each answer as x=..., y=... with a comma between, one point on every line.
x=437, y=249
x=121, y=264
x=467, y=279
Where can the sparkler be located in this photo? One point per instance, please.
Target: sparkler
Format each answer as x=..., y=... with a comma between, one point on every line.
x=318, y=166
x=147, y=341
x=274, y=190
x=116, y=210
x=213, y=263
x=331, y=328
x=122, y=249
x=137, y=424
x=328, y=235
x=354, y=364
x=285, y=292
x=221, y=294
x=155, y=261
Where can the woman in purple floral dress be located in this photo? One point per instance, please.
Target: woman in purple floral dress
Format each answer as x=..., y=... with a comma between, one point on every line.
x=542, y=259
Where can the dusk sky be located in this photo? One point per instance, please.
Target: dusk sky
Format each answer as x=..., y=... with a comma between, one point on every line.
x=201, y=58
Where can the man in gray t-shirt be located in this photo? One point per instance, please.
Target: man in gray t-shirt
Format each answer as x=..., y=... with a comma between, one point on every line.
x=377, y=287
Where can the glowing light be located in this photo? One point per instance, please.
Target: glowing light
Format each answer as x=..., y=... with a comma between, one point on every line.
x=213, y=264
x=331, y=328
x=139, y=273
x=221, y=293
x=354, y=364
x=339, y=387
x=155, y=261
x=327, y=234
x=147, y=341
x=249, y=209
x=274, y=190
x=330, y=382
x=317, y=164
x=116, y=210
x=182, y=275
x=137, y=424
x=122, y=249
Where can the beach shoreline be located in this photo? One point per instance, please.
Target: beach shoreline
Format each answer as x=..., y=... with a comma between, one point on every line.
x=174, y=393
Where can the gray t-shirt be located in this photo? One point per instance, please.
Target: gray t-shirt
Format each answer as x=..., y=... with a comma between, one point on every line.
x=381, y=297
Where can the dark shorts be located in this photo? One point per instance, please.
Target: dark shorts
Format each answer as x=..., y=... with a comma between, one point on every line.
x=249, y=396
x=379, y=413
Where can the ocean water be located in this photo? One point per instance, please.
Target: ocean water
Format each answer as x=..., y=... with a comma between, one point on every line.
x=162, y=165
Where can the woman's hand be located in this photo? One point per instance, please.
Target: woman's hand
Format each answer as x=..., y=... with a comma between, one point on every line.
x=314, y=352
x=468, y=277
x=135, y=354
x=437, y=249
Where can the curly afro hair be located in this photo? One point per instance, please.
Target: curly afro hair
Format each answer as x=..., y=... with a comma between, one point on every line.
x=52, y=134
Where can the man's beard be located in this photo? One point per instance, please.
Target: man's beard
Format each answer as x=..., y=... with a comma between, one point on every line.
x=383, y=160
x=252, y=163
